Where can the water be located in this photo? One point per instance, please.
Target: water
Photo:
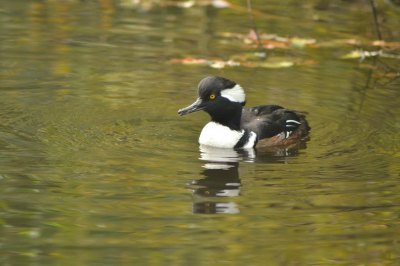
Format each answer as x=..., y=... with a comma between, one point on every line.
x=97, y=168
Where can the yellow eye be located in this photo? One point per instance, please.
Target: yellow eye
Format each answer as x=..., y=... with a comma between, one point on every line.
x=212, y=96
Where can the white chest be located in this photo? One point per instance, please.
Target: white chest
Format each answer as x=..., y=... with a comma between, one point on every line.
x=217, y=135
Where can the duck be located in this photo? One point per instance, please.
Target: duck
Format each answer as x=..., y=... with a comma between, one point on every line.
x=233, y=126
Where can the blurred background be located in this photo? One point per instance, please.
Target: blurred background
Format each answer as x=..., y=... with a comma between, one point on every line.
x=97, y=168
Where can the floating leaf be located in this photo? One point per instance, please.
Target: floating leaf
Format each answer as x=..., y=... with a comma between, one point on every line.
x=360, y=54
x=274, y=44
x=246, y=60
x=190, y=60
x=352, y=54
x=186, y=4
x=220, y=4
x=217, y=64
x=214, y=63
x=310, y=62
x=245, y=57
x=281, y=64
x=386, y=44
x=387, y=75
x=336, y=43
x=300, y=43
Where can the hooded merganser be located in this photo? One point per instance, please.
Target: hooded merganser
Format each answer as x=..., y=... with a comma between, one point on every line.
x=233, y=126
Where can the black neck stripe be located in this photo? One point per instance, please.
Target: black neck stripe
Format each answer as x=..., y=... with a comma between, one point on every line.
x=243, y=140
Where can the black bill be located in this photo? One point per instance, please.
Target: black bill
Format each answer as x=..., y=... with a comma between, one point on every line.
x=196, y=106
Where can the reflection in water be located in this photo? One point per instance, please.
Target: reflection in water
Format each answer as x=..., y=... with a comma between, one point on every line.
x=223, y=182
x=218, y=155
x=221, y=179
x=210, y=207
x=221, y=176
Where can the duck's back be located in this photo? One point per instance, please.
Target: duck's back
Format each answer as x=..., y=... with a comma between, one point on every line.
x=268, y=121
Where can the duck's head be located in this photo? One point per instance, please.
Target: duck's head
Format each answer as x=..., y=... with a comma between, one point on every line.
x=217, y=96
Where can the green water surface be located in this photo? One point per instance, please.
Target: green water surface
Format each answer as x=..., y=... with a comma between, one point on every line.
x=97, y=168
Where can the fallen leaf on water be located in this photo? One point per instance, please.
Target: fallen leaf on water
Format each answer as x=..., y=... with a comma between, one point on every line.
x=352, y=54
x=186, y=4
x=217, y=64
x=336, y=43
x=360, y=54
x=276, y=64
x=190, y=60
x=386, y=44
x=310, y=62
x=273, y=44
x=387, y=75
x=245, y=57
x=246, y=60
x=214, y=63
x=220, y=4
x=300, y=43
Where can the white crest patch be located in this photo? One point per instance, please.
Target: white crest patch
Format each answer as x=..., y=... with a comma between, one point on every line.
x=217, y=135
x=236, y=94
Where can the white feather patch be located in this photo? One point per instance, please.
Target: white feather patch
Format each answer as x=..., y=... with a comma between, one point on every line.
x=251, y=141
x=217, y=135
x=293, y=121
x=236, y=94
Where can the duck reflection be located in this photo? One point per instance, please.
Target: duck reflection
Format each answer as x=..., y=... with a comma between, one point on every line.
x=221, y=175
x=221, y=179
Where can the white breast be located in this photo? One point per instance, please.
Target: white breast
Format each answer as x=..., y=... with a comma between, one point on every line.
x=217, y=135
